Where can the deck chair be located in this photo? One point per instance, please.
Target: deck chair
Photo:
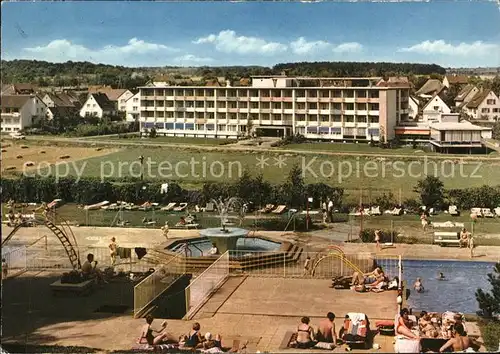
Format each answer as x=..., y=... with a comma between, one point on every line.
x=169, y=207
x=375, y=210
x=477, y=212
x=453, y=210
x=487, y=213
x=210, y=207
x=497, y=211
x=181, y=207
x=267, y=209
x=397, y=211
x=280, y=209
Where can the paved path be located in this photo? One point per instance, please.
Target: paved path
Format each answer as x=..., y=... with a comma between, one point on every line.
x=140, y=237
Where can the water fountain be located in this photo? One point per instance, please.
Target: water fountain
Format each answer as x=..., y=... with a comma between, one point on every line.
x=225, y=238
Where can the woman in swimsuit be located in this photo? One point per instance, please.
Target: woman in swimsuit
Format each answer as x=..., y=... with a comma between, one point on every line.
x=147, y=332
x=404, y=325
x=195, y=339
x=305, y=334
x=460, y=340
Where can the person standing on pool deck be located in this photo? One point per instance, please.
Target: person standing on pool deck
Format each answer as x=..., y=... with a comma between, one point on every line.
x=113, y=250
x=470, y=244
x=377, y=238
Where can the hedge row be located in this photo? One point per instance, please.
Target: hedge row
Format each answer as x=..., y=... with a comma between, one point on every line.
x=482, y=197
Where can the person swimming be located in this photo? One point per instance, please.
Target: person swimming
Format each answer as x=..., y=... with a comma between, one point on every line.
x=418, y=286
x=441, y=276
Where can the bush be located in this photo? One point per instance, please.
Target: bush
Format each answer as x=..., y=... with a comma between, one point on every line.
x=368, y=235
x=290, y=139
x=490, y=331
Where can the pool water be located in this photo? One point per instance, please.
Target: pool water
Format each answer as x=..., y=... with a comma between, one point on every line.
x=251, y=244
x=455, y=293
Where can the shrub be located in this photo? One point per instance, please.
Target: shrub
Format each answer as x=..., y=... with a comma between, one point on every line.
x=490, y=331
x=368, y=235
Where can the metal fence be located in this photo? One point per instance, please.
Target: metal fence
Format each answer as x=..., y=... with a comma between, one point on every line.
x=206, y=284
x=156, y=283
x=317, y=265
x=15, y=260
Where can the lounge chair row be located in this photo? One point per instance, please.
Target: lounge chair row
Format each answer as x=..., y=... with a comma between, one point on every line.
x=275, y=209
x=485, y=212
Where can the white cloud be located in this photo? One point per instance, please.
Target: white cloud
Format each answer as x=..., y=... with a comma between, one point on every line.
x=61, y=50
x=349, y=47
x=228, y=42
x=301, y=46
x=192, y=59
x=477, y=48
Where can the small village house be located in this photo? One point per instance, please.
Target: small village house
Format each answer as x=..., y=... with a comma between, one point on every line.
x=20, y=111
x=97, y=105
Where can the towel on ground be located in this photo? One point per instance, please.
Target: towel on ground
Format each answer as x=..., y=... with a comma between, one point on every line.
x=356, y=318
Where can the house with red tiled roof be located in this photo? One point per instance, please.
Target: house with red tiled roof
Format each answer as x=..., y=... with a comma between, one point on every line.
x=454, y=79
x=485, y=105
x=19, y=89
x=430, y=88
x=465, y=95
x=118, y=96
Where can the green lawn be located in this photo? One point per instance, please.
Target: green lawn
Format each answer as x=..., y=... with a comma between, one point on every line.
x=374, y=176
x=365, y=149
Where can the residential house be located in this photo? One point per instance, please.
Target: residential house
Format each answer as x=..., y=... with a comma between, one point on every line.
x=485, y=105
x=430, y=88
x=20, y=111
x=97, y=105
x=433, y=109
x=133, y=109
x=119, y=97
x=465, y=95
x=62, y=99
x=58, y=111
x=19, y=89
x=454, y=79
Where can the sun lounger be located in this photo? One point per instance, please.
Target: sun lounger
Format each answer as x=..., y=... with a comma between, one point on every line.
x=477, y=212
x=497, y=211
x=487, y=213
x=280, y=209
x=210, y=207
x=169, y=207
x=447, y=224
x=56, y=203
x=397, y=211
x=181, y=207
x=186, y=226
x=355, y=329
x=96, y=206
x=453, y=210
x=375, y=210
x=267, y=209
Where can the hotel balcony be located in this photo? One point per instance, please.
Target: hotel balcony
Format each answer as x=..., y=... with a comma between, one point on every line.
x=324, y=99
x=266, y=110
x=265, y=99
x=362, y=124
x=336, y=124
x=265, y=122
x=373, y=113
x=254, y=99
x=362, y=112
x=372, y=100
x=276, y=111
x=254, y=110
x=170, y=98
x=232, y=98
x=324, y=111
x=287, y=99
x=336, y=99
x=233, y=110
x=288, y=111
x=300, y=123
x=362, y=99
x=276, y=99
x=243, y=98
x=301, y=99
x=349, y=124
x=312, y=99
x=190, y=109
x=313, y=111
x=222, y=110
x=349, y=99
x=350, y=112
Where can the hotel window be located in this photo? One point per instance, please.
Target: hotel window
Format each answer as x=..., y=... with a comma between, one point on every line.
x=264, y=105
x=254, y=105
x=254, y=93
x=323, y=106
x=210, y=115
x=373, y=106
x=276, y=117
x=361, y=93
x=169, y=92
x=336, y=93
x=312, y=93
x=313, y=106
x=325, y=94
x=491, y=101
x=232, y=116
x=287, y=93
x=276, y=105
x=160, y=114
x=300, y=117
x=199, y=92
x=336, y=118
x=179, y=92
x=349, y=107
x=221, y=127
x=200, y=126
x=300, y=93
x=374, y=94
x=276, y=93
x=287, y=105
x=349, y=94
x=209, y=93
x=325, y=118
x=210, y=104
x=265, y=116
x=361, y=119
x=188, y=93
x=349, y=119
x=301, y=105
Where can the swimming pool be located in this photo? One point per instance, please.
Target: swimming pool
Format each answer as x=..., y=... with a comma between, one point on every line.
x=243, y=244
x=455, y=293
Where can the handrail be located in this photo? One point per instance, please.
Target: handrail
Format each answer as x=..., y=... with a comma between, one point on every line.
x=199, y=249
x=38, y=239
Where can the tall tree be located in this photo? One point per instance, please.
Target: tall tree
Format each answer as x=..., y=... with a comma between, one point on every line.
x=431, y=191
x=489, y=302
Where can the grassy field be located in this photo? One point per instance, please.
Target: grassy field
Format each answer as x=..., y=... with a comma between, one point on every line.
x=373, y=175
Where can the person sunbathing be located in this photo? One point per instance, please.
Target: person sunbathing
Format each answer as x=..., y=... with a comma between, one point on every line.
x=147, y=333
x=459, y=342
x=305, y=334
x=194, y=339
x=326, y=329
x=210, y=342
x=404, y=325
x=426, y=325
x=372, y=278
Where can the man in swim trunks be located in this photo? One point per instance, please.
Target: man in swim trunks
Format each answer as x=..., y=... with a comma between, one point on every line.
x=371, y=278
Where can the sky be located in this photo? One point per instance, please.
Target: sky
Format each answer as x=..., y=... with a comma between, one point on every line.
x=137, y=33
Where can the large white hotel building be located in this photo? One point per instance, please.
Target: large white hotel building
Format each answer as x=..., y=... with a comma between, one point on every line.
x=318, y=108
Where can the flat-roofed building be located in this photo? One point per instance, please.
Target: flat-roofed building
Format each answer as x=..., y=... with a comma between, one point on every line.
x=318, y=108
x=449, y=135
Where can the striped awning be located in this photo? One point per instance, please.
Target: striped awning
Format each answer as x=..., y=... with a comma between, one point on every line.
x=337, y=130
x=169, y=126
x=179, y=126
x=412, y=131
x=312, y=130
x=324, y=129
